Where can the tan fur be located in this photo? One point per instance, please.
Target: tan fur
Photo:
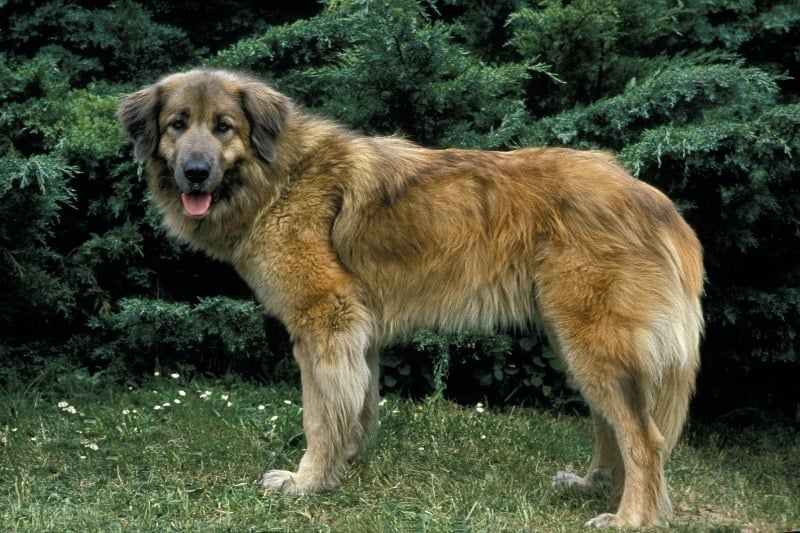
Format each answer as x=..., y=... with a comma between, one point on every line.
x=354, y=242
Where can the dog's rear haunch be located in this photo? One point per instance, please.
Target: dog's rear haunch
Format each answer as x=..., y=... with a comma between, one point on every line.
x=355, y=241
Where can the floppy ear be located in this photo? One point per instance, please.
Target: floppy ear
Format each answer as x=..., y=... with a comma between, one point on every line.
x=266, y=109
x=138, y=114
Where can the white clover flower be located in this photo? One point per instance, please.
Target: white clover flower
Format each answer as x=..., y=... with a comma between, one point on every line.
x=479, y=407
x=92, y=446
x=224, y=397
x=261, y=407
x=126, y=411
x=174, y=375
x=287, y=402
x=273, y=418
x=63, y=405
x=156, y=373
x=382, y=402
x=229, y=404
x=156, y=407
x=71, y=410
x=176, y=401
x=165, y=404
x=181, y=393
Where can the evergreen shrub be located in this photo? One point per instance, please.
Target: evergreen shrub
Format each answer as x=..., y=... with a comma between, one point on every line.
x=696, y=98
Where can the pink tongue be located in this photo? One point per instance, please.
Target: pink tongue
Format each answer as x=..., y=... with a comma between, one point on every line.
x=196, y=204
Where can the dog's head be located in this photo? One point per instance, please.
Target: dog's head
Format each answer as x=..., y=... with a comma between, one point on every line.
x=198, y=127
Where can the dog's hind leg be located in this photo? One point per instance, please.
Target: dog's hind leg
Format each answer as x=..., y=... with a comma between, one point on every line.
x=606, y=471
x=607, y=356
x=623, y=396
x=644, y=500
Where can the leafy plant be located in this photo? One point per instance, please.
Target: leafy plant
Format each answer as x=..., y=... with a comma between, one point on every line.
x=213, y=333
x=694, y=97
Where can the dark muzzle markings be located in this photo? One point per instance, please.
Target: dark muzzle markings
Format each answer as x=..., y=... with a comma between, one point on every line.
x=196, y=202
x=197, y=170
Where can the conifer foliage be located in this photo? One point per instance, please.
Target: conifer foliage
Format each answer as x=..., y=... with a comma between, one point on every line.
x=699, y=98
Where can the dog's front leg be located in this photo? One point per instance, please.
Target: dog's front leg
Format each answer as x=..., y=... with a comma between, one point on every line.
x=335, y=377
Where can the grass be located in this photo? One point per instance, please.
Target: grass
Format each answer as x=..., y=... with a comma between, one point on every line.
x=186, y=454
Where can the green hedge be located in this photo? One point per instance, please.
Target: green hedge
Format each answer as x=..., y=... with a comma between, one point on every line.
x=216, y=332
x=694, y=97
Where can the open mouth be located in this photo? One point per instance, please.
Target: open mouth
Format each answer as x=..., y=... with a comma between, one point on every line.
x=196, y=204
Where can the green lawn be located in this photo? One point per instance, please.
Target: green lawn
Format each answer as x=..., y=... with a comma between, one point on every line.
x=186, y=455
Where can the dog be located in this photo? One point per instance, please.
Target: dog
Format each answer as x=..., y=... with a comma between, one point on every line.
x=354, y=242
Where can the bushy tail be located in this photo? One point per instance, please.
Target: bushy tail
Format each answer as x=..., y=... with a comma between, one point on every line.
x=672, y=403
x=681, y=340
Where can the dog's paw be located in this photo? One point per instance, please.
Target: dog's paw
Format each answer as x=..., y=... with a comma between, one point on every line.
x=604, y=520
x=598, y=481
x=567, y=479
x=280, y=481
x=622, y=521
x=356, y=451
x=288, y=482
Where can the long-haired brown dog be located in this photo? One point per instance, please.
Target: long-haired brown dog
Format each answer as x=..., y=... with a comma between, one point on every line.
x=354, y=242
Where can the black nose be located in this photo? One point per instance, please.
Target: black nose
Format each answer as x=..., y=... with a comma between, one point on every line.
x=196, y=171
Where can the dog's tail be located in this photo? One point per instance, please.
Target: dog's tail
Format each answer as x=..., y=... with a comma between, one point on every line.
x=672, y=403
x=680, y=338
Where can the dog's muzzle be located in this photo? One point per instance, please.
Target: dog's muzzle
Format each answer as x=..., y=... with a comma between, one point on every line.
x=197, y=200
x=196, y=173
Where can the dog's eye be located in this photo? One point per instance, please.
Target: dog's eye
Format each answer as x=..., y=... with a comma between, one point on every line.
x=178, y=124
x=222, y=127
